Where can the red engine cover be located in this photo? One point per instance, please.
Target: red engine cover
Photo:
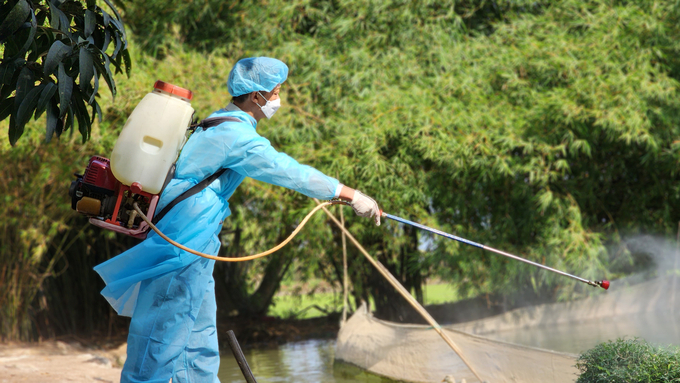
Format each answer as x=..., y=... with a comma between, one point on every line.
x=98, y=173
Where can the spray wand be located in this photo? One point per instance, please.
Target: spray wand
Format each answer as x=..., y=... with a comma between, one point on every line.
x=603, y=283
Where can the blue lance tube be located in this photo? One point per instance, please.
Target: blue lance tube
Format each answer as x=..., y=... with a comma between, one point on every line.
x=603, y=283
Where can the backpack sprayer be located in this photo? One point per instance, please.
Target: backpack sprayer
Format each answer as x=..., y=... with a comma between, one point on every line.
x=141, y=163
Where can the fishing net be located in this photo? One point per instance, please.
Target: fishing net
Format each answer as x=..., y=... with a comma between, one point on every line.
x=416, y=353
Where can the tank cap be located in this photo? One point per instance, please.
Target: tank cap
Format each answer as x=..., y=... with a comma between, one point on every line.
x=173, y=89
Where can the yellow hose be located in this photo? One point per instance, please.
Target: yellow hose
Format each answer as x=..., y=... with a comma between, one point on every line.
x=382, y=269
x=238, y=259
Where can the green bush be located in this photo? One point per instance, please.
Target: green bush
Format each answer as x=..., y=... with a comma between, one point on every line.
x=629, y=360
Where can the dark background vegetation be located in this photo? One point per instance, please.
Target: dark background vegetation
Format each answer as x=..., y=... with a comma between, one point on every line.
x=547, y=129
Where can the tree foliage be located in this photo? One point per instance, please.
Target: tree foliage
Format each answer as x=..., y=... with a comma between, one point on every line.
x=533, y=132
x=54, y=54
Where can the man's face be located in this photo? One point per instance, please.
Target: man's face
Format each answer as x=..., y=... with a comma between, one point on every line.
x=271, y=96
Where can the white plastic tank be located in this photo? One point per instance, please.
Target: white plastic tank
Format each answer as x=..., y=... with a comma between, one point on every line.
x=152, y=137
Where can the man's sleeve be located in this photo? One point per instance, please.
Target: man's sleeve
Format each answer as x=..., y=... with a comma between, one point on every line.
x=253, y=156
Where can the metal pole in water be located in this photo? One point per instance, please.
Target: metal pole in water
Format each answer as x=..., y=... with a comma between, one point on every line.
x=344, y=271
x=240, y=358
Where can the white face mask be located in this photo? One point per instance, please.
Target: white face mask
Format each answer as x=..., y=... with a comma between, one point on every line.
x=270, y=107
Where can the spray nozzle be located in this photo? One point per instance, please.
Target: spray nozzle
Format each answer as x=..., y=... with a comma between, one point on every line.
x=603, y=283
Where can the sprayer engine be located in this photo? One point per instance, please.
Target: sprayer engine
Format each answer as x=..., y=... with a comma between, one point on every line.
x=100, y=196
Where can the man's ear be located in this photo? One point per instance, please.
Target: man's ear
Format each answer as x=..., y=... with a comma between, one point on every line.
x=254, y=97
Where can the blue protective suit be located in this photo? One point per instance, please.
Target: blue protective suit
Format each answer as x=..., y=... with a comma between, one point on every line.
x=170, y=293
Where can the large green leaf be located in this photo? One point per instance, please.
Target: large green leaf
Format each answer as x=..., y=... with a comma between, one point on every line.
x=90, y=23
x=24, y=103
x=86, y=68
x=127, y=62
x=45, y=97
x=15, y=18
x=115, y=11
x=68, y=121
x=63, y=24
x=105, y=70
x=81, y=114
x=58, y=51
x=6, y=107
x=28, y=105
x=53, y=121
x=54, y=19
x=25, y=83
x=119, y=45
x=13, y=133
x=65, y=90
x=96, y=87
x=96, y=110
x=106, y=19
x=107, y=40
x=8, y=70
x=72, y=8
x=41, y=45
x=29, y=40
x=9, y=88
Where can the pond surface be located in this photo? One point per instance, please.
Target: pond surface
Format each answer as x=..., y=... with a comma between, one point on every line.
x=304, y=362
x=312, y=361
x=661, y=328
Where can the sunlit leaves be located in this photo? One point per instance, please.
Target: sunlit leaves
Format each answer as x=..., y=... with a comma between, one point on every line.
x=62, y=44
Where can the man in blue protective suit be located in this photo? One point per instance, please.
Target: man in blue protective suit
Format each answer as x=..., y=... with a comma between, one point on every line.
x=169, y=293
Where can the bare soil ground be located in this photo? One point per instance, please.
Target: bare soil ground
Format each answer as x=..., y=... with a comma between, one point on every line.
x=58, y=362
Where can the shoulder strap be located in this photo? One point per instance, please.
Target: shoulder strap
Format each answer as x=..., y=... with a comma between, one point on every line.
x=205, y=124
x=192, y=191
x=211, y=122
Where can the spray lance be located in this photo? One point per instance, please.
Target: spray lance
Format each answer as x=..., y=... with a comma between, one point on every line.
x=603, y=283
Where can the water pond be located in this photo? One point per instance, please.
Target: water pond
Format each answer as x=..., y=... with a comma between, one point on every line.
x=303, y=362
x=313, y=360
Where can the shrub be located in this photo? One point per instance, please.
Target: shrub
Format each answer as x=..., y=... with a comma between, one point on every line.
x=629, y=360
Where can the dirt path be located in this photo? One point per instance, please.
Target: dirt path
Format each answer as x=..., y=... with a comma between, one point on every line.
x=58, y=362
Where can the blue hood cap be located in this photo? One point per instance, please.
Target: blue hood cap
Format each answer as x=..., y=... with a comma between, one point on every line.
x=256, y=74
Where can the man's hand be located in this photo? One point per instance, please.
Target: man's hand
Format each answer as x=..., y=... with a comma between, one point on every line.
x=365, y=206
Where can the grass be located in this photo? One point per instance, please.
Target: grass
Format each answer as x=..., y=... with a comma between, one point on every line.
x=629, y=360
x=435, y=294
x=304, y=306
